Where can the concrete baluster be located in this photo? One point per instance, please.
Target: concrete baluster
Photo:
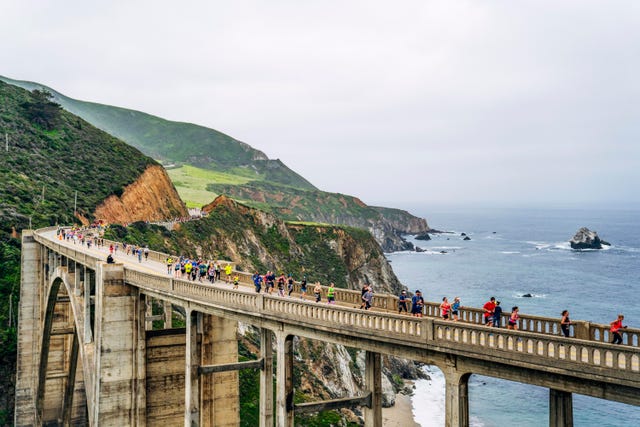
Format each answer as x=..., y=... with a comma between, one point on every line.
x=284, y=380
x=266, y=378
x=560, y=408
x=373, y=384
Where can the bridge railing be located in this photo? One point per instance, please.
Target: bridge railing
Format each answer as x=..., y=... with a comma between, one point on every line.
x=523, y=346
x=530, y=323
x=619, y=361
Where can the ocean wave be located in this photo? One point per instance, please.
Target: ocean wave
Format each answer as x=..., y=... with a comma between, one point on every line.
x=509, y=252
x=428, y=400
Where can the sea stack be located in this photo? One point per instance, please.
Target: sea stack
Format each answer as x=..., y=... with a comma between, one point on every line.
x=587, y=239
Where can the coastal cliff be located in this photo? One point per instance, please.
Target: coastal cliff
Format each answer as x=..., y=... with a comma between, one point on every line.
x=152, y=197
x=387, y=225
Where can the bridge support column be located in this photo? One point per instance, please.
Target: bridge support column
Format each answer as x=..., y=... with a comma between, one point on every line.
x=220, y=400
x=168, y=315
x=560, y=408
x=373, y=383
x=456, y=398
x=119, y=397
x=31, y=280
x=284, y=380
x=266, y=378
x=191, y=378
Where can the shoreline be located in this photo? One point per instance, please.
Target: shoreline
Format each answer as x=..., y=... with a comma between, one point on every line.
x=400, y=414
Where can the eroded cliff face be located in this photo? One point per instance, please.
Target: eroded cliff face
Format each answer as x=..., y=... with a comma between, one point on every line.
x=348, y=256
x=152, y=197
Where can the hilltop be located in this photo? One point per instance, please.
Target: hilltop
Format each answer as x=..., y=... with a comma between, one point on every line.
x=177, y=143
x=204, y=163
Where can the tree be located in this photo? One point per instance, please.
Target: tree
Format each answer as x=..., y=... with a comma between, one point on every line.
x=41, y=110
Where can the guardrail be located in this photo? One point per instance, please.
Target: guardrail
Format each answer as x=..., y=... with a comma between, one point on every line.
x=582, y=330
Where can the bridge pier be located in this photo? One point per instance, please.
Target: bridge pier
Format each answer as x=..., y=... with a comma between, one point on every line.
x=119, y=385
x=456, y=398
x=31, y=283
x=284, y=380
x=560, y=408
x=266, y=378
x=373, y=384
x=191, y=378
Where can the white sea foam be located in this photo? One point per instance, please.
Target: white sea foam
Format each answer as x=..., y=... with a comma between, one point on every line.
x=509, y=252
x=428, y=400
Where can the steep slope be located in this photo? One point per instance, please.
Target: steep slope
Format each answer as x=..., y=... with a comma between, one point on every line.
x=48, y=157
x=257, y=240
x=239, y=171
x=176, y=142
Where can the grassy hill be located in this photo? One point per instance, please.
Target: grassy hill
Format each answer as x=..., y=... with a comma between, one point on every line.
x=204, y=163
x=176, y=142
x=51, y=154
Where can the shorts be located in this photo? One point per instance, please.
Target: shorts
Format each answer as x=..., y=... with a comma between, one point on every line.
x=454, y=312
x=402, y=306
x=487, y=319
x=331, y=299
x=445, y=316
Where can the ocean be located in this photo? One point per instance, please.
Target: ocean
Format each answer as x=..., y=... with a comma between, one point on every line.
x=514, y=252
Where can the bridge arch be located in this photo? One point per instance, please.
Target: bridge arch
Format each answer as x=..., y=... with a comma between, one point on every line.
x=58, y=369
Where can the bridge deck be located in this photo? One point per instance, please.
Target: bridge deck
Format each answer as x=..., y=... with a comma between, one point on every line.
x=538, y=351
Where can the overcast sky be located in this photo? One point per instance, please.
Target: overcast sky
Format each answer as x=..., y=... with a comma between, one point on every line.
x=396, y=102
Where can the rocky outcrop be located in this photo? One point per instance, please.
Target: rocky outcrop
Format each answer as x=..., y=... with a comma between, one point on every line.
x=423, y=236
x=255, y=239
x=152, y=197
x=587, y=239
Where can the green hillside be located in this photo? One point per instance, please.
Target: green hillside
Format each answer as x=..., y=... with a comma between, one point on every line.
x=176, y=142
x=204, y=163
x=50, y=155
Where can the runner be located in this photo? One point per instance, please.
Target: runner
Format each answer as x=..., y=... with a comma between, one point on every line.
x=317, y=291
x=227, y=271
x=455, y=308
x=281, y=281
x=444, y=308
x=497, y=315
x=513, y=319
x=368, y=298
x=331, y=297
x=565, y=323
x=402, y=302
x=488, y=308
x=257, y=281
x=303, y=287
x=417, y=302
x=616, y=325
x=169, y=263
x=289, y=285
x=236, y=280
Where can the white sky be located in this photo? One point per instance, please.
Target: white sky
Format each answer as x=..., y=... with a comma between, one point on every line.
x=396, y=102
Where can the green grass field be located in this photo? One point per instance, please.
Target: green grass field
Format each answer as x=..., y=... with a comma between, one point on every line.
x=191, y=183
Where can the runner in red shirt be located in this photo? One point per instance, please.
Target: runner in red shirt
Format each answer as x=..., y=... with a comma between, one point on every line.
x=445, y=307
x=616, y=325
x=488, y=309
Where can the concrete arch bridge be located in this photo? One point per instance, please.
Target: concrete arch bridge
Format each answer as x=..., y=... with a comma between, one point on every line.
x=87, y=352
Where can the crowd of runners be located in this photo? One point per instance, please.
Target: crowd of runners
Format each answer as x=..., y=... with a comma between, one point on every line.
x=196, y=269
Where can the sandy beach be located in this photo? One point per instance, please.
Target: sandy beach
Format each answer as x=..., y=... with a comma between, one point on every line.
x=400, y=414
